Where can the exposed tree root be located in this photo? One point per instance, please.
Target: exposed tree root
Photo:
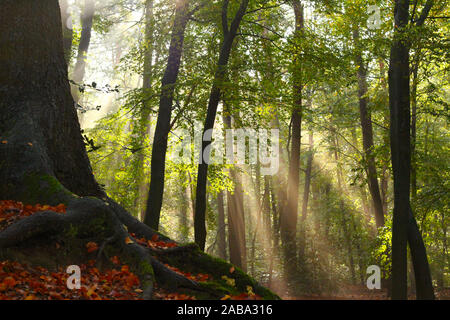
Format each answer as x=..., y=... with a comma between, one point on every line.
x=170, y=278
x=89, y=219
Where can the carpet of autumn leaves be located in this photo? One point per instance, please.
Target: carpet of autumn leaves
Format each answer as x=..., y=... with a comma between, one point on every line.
x=22, y=282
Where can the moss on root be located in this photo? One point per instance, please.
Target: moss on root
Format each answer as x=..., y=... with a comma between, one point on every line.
x=92, y=220
x=196, y=261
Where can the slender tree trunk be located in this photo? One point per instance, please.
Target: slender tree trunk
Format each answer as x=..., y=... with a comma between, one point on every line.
x=236, y=230
x=266, y=204
x=345, y=228
x=415, y=82
x=67, y=29
x=236, y=222
x=423, y=281
x=158, y=162
x=222, y=227
x=290, y=213
x=306, y=192
x=184, y=221
x=229, y=33
x=400, y=148
x=85, y=40
x=367, y=133
x=79, y=70
x=142, y=127
x=404, y=228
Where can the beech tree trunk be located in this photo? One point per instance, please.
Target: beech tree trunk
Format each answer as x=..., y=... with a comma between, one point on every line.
x=87, y=18
x=306, y=192
x=229, y=33
x=404, y=227
x=222, y=227
x=158, y=162
x=30, y=49
x=142, y=127
x=289, y=214
x=235, y=211
x=367, y=133
x=415, y=69
x=79, y=70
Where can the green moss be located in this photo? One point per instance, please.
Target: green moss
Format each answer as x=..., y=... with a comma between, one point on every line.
x=95, y=226
x=196, y=261
x=71, y=232
x=38, y=188
x=145, y=268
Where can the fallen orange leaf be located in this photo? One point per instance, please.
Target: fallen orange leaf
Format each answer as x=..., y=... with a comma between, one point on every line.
x=91, y=247
x=9, y=282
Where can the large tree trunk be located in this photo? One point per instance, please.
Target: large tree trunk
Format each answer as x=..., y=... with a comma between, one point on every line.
x=404, y=227
x=229, y=33
x=36, y=96
x=367, y=133
x=158, y=162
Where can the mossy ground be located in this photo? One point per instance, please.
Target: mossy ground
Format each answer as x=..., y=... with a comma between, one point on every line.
x=226, y=279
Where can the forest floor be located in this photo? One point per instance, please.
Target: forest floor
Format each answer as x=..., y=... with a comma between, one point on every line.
x=362, y=293
x=22, y=281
